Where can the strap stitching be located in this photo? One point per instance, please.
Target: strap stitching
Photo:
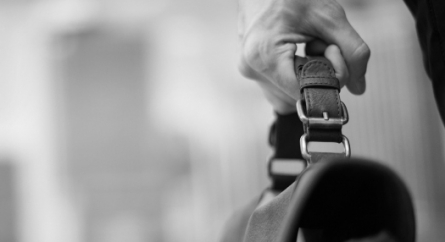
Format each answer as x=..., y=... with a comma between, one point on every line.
x=338, y=103
x=308, y=100
x=308, y=94
x=321, y=77
x=316, y=83
x=327, y=84
x=318, y=62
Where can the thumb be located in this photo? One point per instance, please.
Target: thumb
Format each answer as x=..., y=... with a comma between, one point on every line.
x=355, y=51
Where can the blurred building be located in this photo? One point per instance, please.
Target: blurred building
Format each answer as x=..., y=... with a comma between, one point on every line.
x=128, y=120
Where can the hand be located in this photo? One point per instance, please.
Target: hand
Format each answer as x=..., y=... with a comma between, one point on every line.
x=269, y=31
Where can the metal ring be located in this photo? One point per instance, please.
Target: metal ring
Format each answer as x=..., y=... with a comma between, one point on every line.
x=307, y=156
x=321, y=122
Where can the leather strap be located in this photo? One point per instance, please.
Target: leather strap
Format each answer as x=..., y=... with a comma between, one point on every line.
x=284, y=136
x=320, y=108
x=320, y=92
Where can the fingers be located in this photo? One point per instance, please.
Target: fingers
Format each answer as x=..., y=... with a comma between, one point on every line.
x=318, y=47
x=284, y=72
x=273, y=70
x=333, y=54
x=337, y=30
x=282, y=103
x=356, y=54
x=268, y=44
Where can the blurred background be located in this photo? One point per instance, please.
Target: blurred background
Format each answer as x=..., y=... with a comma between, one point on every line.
x=128, y=120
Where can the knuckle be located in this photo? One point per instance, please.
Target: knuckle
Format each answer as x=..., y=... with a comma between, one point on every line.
x=245, y=69
x=328, y=15
x=332, y=11
x=336, y=10
x=255, y=55
x=248, y=61
x=261, y=54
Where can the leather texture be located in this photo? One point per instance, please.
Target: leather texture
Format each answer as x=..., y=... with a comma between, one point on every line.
x=320, y=90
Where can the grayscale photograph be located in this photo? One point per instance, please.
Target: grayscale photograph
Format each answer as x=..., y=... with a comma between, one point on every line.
x=222, y=121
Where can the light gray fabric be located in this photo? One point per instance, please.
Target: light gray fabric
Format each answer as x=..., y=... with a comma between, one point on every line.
x=235, y=228
x=266, y=219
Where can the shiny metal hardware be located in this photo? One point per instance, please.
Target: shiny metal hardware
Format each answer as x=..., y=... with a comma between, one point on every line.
x=326, y=121
x=307, y=156
x=325, y=116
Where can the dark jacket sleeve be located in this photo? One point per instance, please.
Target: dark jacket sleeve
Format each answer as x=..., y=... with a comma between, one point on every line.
x=430, y=25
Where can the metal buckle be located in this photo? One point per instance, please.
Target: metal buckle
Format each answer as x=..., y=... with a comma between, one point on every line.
x=324, y=122
x=307, y=156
